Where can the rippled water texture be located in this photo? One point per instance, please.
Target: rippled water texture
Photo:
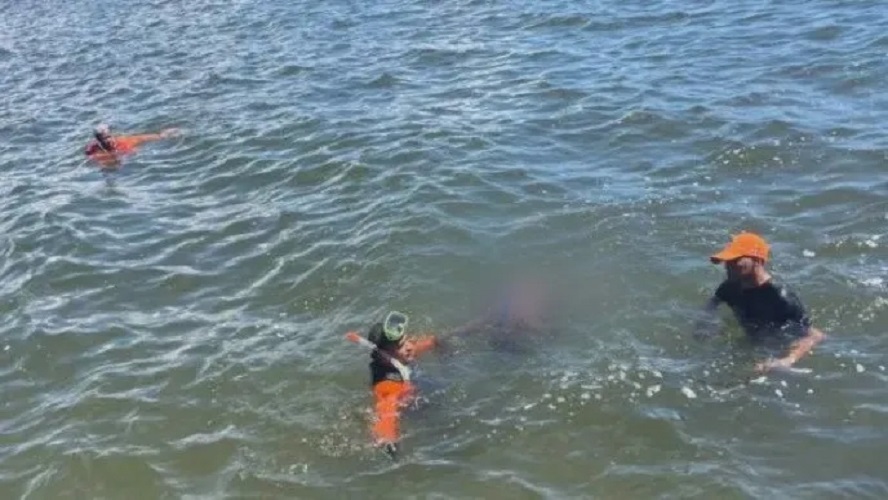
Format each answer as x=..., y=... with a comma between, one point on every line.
x=175, y=329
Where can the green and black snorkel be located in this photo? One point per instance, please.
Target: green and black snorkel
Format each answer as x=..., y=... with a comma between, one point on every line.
x=393, y=329
x=394, y=326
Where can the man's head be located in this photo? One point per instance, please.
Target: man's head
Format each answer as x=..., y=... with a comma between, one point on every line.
x=103, y=130
x=744, y=257
x=102, y=134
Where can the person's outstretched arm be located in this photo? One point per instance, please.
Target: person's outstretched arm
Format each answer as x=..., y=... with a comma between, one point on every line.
x=801, y=347
x=807, y=335
x=134, y=141
x=417, y=346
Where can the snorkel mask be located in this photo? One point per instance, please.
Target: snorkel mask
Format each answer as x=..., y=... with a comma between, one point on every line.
x=394, y=326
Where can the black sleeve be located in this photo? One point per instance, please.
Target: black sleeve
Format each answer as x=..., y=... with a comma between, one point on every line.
x=795, y=313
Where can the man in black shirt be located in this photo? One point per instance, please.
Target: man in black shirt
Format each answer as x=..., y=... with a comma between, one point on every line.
x=765, y=309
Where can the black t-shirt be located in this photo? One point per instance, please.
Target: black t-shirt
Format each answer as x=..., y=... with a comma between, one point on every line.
x=380, y=368
x=765, y=311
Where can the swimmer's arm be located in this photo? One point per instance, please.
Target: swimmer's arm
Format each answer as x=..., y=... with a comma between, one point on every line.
x=424, y=344
x=417, y=346
x=139, y=139
x=801, y=347
x=800, y=321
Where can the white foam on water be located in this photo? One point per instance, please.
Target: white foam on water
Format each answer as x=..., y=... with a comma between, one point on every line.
x=860, y=368
x=689, y=393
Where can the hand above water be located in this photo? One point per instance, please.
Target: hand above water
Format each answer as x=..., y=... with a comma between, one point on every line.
x=415, y=347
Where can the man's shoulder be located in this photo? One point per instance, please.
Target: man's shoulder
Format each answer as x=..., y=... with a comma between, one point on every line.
x=782, y=290
x=781, y=293
x=727, y=291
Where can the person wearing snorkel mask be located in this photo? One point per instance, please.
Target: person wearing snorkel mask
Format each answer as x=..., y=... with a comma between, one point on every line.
x=392, y=387
x=106, y=148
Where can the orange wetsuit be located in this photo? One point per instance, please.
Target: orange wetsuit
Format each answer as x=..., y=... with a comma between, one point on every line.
x=121, y=145
x=391, y=391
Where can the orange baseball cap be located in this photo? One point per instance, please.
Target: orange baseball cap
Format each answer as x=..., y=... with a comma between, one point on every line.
x=743, y=245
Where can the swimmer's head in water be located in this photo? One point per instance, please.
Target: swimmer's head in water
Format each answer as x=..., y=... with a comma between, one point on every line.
x=102, y=134
x=394, y=326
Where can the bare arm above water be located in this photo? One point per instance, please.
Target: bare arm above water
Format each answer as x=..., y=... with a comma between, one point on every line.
x=797, y=350
x=800, y=322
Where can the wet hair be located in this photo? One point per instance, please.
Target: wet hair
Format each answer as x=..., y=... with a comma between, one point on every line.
x=104, y=143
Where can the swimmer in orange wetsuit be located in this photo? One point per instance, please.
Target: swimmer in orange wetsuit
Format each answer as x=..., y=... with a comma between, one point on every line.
x=106, y=149
x=392, y=388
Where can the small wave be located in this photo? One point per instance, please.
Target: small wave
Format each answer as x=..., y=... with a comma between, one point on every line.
x=292, y=70
x=824, y=33
x=564, y=21
x=434, y=56
x=383, y=81
x=547, y=89
x=754, y=156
